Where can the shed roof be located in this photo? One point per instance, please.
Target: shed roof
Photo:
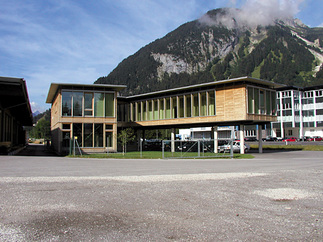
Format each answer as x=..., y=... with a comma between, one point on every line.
x=54, y=87
x=14, y=97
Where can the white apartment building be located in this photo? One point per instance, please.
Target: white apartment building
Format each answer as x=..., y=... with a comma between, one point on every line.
x=299, y=112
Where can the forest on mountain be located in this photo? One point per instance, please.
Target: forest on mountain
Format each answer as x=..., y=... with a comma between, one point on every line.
x=196, y=53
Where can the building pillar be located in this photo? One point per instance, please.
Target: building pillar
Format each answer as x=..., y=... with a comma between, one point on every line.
x=260, y=138
x=241, y=129
x=215, y=138
x=172, y=137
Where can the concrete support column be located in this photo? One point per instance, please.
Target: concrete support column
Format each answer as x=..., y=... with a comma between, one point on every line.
x=172, y=137
x=260, y=138
x=241, y=129
x=215, y=137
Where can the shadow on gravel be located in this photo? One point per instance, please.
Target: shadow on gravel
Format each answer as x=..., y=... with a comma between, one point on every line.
x=36, y=150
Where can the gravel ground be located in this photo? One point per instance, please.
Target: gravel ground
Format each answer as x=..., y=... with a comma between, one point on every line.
x=246, y=202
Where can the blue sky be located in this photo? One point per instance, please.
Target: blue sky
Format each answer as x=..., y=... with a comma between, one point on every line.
x=78, y=41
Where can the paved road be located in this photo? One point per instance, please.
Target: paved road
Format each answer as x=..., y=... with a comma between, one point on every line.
x=276, y=196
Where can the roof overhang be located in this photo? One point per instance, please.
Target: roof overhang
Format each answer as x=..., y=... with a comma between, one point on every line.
x=14, y=98
x=245, y=79
x=54, y=87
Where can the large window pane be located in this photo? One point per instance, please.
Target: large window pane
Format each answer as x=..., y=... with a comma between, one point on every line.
x=195, y=105
x=66, y=103
x=161, y=109
x=250, y=100
x=188, y=106
x=203, y=104
x=109, y=137
x=155, y=109
x=109, y=105
x=167, y=108
x=77, y=103
x=150, y=110
x=139, y=111
x=88, y=135
x=273, y=103
x=88, y=104
x=268, y=103
x=211, y=103
x=144, y=111
x=174, y=107
x=98, y=135
x=262, y=102
x=98, y=104
x=181, y=106
x=77, y=132
x=256, y=100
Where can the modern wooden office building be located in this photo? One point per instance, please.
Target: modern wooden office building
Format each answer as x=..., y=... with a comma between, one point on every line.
x=94, y=112
x=15, y=113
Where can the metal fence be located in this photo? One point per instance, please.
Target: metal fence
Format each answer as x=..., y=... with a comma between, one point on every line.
x=196, y=149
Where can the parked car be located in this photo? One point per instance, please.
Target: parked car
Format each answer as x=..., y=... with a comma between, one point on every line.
x=250, y=139
x=315, y=138
x=235, y=146
x=269, y=138
x=305, y=138
x=291, y=139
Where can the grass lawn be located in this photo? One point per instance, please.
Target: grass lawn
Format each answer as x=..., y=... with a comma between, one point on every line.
x=158, y=155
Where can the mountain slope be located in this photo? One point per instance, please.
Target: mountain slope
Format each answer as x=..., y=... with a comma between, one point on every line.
x=207, y=50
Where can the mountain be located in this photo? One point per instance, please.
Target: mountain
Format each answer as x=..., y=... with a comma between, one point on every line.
x=222, y=45
x=36, y=113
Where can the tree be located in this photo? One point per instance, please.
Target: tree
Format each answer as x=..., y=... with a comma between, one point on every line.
x=125, y=136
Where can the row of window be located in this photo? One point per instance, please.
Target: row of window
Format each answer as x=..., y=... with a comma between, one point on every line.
x=88, y=135
x=180, y=106
x=80, y=104
x=261, y=101
x=305, y=113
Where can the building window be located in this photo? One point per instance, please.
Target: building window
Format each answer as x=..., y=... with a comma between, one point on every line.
x=88, y=135
x=203, y=104
x=195, y=105
x=109, y=105
x=98, y=104
x=188, y=106
x=181, y=106
x=77, y=133
x=77, y=103
x=88, y=104
x=211, y=103
x=98, y=135
x=161, y=109
x=66, y=103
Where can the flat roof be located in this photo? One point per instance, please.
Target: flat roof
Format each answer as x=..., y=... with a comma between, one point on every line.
x=55, y=86
x=14, y=97
x=214, y=83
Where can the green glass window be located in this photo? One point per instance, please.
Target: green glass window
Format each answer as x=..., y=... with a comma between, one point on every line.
x=88, y=135
x=109, y=105
x=273, y=103
x=150, y=110
x=256, y=100
x=188, y=106
x=268, y=103
x=195, y=105
x=144, y=110
x=77, y=103
x=66, y=103
x=167, y=108
x=88, y=104
x=203, y=104
x=155, y=109
x=250, y=100
x=98, y=104
x=174, y=107
x=161, y=109
x=211, y=103
x=138, y=111
x=98, y=135
x=181, y=106
x=262, y=102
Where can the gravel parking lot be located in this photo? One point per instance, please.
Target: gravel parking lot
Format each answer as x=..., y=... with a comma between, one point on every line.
x=274, y=197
